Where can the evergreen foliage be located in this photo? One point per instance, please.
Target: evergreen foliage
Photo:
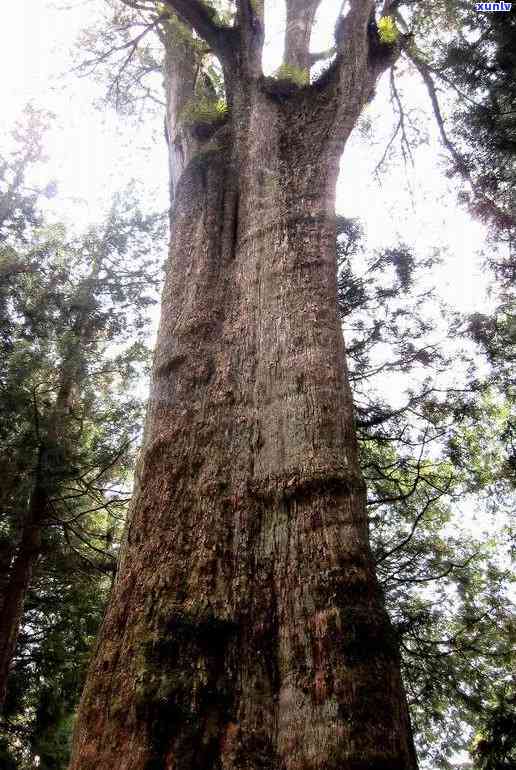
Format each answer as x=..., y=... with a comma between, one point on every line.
x=495, y=746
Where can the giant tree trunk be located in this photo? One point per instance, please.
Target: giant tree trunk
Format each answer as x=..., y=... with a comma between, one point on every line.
x=246, y=628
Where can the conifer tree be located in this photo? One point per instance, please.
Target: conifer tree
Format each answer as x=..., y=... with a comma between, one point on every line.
x=246, y=627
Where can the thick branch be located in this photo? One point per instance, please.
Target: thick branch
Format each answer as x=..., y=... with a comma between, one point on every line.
x=250, y=11
x=351, y=31
x=320, y=56
x=200, y=18
x=361, y=60
x=350, y=81
x=250, y=24
x=300, y=19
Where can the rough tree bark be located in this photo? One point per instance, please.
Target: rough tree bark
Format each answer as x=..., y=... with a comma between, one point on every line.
x=300, y=19
x=246, y=628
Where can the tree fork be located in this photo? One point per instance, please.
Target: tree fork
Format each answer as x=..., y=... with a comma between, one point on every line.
x=246, y=628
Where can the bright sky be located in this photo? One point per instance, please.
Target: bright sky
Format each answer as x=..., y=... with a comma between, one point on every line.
x=91, y=153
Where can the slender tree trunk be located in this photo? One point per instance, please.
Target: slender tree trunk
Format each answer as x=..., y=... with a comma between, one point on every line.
x=17, y=584
x=246, y=628
x=52, y=458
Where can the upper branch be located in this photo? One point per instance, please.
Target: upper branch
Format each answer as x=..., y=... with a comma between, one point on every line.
x=250, y=24
x=201, y=19
x=351, y=32
x=355, y=74
x=300, y=19
x=424, y=71
x=250, y=11
x=361, y=59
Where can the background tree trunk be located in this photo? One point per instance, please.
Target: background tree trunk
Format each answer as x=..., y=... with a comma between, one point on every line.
x=246, y=627
x=51, y=467
x=19, y=577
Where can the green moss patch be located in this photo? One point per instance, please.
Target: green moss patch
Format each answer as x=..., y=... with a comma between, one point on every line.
x=183, y=695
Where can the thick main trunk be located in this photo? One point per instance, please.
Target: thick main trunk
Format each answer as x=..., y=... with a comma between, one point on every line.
x=246, y=628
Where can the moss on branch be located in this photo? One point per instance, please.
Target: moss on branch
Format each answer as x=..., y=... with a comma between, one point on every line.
x=388, y=32
x=204, y=110
x=299, y=76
